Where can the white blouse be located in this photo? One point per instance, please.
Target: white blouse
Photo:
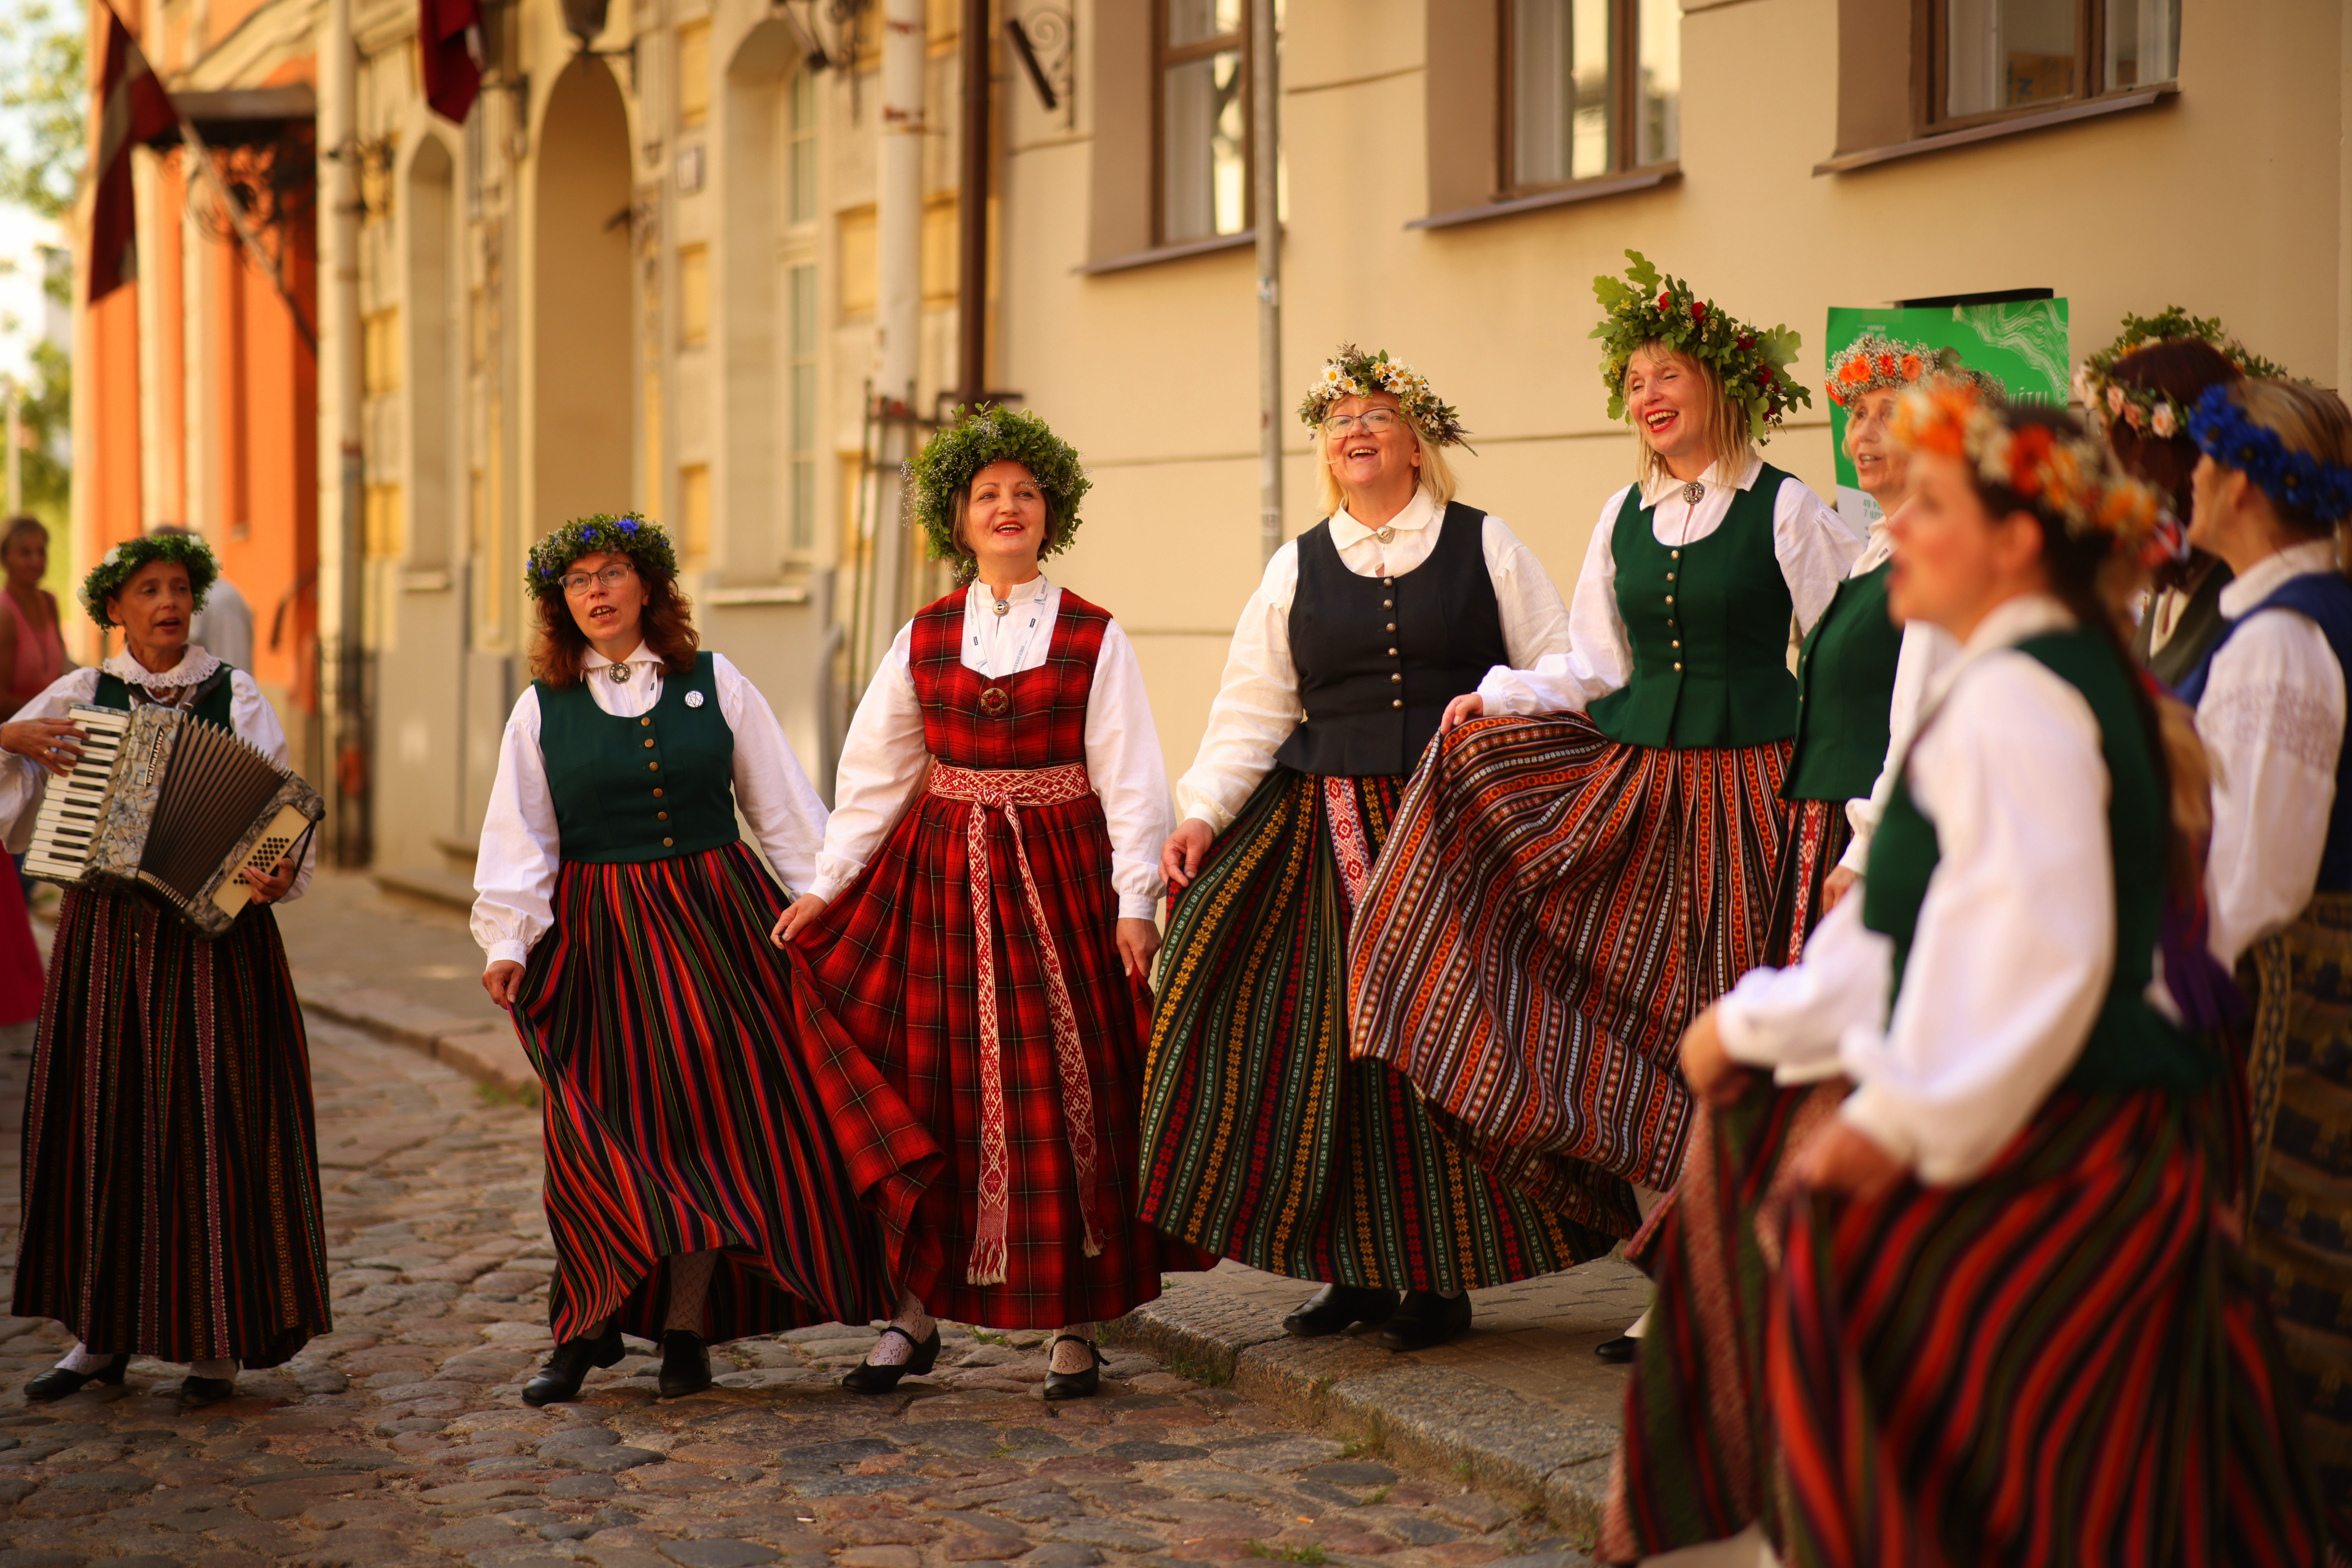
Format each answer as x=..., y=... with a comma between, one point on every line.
x=2272, y=721
x=1925, y=651
x=884, y=757
x=521, y=852
x=2015, y=945
x=1257, y=704
x=23, y=784
x=1813, y=546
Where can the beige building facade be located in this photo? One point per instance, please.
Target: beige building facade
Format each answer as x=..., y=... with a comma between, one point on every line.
x=643, y=275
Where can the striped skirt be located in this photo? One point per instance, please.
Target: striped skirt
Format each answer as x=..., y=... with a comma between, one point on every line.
x=1553, y=911
x=2299, y=1077
x=2059, y=1362
x=1816, y=835
x=170, y=1163
x=1262, y=1140
x=679, y=1115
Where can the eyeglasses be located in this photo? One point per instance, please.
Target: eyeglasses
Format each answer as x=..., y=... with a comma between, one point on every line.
x=578, y=582
x=1375, y=421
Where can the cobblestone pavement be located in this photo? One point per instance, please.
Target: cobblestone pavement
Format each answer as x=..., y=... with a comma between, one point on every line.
x=401, y=1438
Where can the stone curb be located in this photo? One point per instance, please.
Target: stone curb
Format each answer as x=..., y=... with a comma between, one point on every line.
x=1435, y=1419
x=480, y=1050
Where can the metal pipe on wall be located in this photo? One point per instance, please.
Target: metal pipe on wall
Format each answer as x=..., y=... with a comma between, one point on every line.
x=971, y=237
x=899, y=310
x=340, y=470
x=1265, y=202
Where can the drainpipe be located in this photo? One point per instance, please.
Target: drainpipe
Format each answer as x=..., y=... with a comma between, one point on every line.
x=971, y=258
x=1265, y=166
x=898, y=311
x=340, y=464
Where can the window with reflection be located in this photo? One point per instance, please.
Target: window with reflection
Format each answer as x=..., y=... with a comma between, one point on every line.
x=1997, y=58
x=1591, y=88
x=1204, y=85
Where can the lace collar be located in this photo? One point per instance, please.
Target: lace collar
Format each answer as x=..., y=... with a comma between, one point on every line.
x=194, y=668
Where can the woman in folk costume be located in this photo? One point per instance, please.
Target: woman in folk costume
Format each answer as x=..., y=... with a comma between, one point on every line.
x=2273, y=491
x=171, y=1166
x=695, y=1190
x=2031, y=1157
x=2140, y=388
x=979, y=932
x=1263, y=1140
x=1562, y=894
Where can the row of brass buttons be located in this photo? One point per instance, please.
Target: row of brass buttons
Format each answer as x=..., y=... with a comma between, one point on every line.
x=656, y=767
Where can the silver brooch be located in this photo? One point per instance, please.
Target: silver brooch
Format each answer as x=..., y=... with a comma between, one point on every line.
x=1692, y=492
x=694, y=699
x=620, y=673
x=1384, y=534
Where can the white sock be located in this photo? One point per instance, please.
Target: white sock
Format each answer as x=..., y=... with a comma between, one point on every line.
x=85, y=1361
x=913, y=1320
x=689, y=1284
x=1641, y=1325
x=1073, y=1357
x=221, y=1369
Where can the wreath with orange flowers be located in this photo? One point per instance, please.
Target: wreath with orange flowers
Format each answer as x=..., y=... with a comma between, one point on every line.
x=2073, y=480
x=1874, y=362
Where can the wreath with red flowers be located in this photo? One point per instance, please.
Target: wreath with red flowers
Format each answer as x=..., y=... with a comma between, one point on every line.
x=1646, y=306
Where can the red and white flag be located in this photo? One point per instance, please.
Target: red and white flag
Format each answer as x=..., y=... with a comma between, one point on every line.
x=132, y=108
x=450, y=35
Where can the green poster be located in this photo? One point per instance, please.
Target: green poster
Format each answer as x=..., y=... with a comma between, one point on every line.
x=2023, y=342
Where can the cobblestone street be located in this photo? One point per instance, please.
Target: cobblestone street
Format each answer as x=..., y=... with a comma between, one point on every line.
x=401, y=1438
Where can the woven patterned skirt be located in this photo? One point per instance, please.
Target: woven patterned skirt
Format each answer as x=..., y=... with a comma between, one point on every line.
x=1816, y=838
x=1263, y=1140
x=891, y=1007
x=1553, y=911
x=1697, y=1462
x=2062, y=1362
x=171, y=1162
x=2299, y=1075
x=679, y=1117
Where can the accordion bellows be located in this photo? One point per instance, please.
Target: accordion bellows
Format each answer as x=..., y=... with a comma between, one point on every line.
x=174, y=804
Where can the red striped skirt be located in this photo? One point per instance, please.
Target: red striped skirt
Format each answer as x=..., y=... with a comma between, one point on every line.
x=1817, y=835
x=679, y=1115
x=888, y=986
x=1551, y=912
x=2059, y=1362
x=171, y=1162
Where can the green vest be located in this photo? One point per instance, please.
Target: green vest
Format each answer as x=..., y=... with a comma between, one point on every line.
x=214, y=701
x=628, y=790
x=1709, y=623
x=2132, y=1046
x=1846, y=687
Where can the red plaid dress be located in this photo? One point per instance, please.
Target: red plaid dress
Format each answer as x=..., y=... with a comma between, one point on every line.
x=894, y=969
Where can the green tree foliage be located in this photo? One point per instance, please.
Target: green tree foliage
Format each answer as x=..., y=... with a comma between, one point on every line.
x=44, y=93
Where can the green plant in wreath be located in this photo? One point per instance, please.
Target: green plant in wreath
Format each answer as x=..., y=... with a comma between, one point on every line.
x=1351, y=373
x=1648, y=307
x=967, y=443
x=119, y=563
x=2143, y=408
x=641, y=542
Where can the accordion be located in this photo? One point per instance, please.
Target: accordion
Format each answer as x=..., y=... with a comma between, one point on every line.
x=172, y=804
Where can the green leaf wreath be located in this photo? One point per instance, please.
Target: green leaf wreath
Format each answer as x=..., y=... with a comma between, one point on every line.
x=969, y=443
x=2143, y=408
x=119, y=563
x=641, y=542
x=1647, y=307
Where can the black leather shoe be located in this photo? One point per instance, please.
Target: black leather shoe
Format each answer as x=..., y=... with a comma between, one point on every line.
x=1620, y=1349
x=1424, y=1319
x=195, y=1392
x=1334, y=1308
x=686, y=1363
x=567, y=1369
x=1074, y=1385
x=871, y=1378
x=57, y=1382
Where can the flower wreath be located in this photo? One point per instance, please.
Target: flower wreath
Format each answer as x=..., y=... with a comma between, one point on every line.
x=601, y=532
x=2074, y=478
x=1650, y=307
x=969, y=443
x=1351, y=373
x=2291, y=479
x=1873, y=364
x=2143, y=407
x=116, y=567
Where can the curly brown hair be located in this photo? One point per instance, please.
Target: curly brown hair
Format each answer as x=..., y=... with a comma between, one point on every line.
x=559, y=653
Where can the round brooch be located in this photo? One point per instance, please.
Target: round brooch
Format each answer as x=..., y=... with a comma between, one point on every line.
x=994, y=700
x=694, y=699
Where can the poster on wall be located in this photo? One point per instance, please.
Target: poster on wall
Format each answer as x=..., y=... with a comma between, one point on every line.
x=2022, y=341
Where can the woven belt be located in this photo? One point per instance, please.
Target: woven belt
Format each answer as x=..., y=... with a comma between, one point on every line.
x=1007, y=791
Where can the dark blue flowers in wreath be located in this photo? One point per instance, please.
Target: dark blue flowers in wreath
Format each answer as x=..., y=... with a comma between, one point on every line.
x=2323, y=491
x=641, y=542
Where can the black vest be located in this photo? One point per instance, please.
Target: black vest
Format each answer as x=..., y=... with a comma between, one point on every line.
x=1380, y=657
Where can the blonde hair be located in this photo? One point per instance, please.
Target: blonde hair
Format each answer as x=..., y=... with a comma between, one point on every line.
x=1436, y=478
x=1728, y=446
x=2304, y=419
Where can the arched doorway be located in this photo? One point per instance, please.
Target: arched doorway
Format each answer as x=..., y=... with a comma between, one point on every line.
x=581, y=436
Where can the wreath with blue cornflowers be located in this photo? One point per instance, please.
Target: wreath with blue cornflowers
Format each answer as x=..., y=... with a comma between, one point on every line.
x=2292, y=479
x=641, y=542
x=122, y=563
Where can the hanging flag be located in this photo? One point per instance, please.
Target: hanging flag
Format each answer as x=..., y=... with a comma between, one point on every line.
x=132, y=108
x=449, y=35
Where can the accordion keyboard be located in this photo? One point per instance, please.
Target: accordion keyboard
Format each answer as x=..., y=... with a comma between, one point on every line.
x=69, y=813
